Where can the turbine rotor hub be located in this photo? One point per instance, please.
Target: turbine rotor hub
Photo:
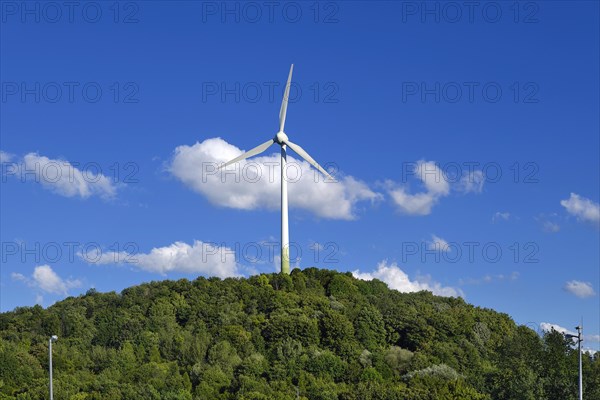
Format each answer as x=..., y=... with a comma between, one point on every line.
x=281, y=137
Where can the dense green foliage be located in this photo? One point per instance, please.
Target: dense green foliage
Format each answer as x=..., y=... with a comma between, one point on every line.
x=316, y=334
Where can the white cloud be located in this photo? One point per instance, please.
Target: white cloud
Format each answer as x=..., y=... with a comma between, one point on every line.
x=45, y=279
x=580, y=289
x=199, y=258
x=582, y=208
x=500, y=216
x=548, y=222
x=413, y=204
x=61, y=177
x=18, y=277
x=438, y=244
x=551, y=227
x=489, y=279
x=256, y=181
x=472, y=182
x=316, y=246
x=5, y=157
x=437, y=185
x=397, y=279
x=433, y=178
x=548, y=327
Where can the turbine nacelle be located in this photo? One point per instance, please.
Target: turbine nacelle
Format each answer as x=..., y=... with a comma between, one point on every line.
x=281, y=138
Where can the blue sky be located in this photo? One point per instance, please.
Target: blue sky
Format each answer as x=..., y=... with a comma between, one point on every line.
x=465, y=142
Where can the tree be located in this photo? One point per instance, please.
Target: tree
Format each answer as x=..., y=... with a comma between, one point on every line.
x=315, y=334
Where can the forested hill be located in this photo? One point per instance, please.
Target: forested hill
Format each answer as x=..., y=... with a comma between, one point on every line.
x=316, y=334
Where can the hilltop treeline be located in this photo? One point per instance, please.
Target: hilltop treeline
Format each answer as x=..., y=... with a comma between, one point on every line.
x=316, y=334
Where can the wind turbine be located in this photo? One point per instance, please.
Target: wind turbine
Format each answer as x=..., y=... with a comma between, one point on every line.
x=282, y=139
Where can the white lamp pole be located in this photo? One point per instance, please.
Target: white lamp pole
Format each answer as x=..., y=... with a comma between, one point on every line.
x=54, y=338
x=580, y=339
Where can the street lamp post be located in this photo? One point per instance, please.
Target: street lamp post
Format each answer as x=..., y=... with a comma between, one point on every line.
x=579, y=338
x=54, y=338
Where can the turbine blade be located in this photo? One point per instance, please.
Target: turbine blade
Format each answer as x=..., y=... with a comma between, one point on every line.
x=300, y=151
x=284, y=103
x=257, y=150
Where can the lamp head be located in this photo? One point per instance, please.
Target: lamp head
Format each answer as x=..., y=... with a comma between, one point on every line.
x=54, y=338
x=568, y=335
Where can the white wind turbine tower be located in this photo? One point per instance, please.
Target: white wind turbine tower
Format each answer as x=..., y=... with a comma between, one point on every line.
x=282, y=139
